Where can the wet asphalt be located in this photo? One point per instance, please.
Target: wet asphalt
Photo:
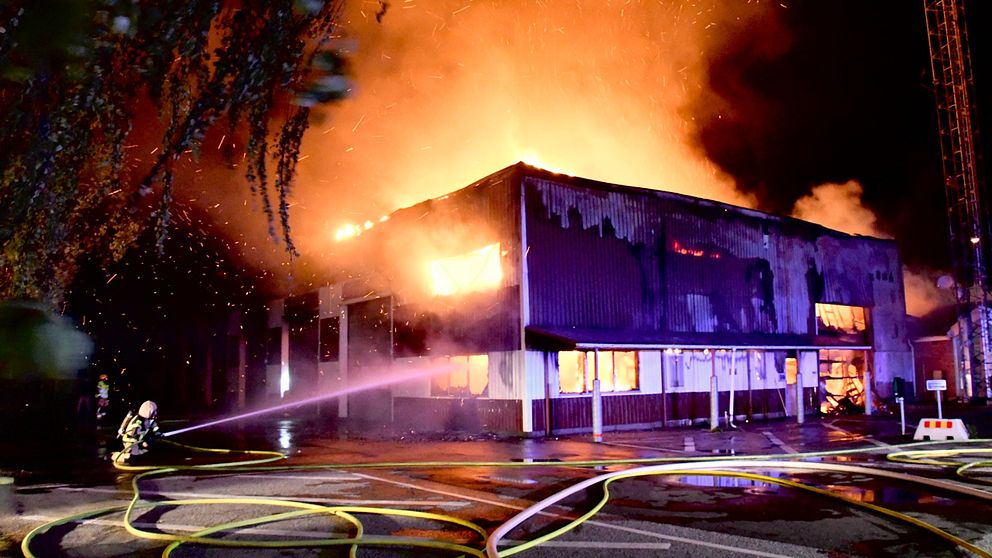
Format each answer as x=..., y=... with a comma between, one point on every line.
x=650, y=516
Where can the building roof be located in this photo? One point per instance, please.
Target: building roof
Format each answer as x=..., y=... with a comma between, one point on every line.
x=522, y=169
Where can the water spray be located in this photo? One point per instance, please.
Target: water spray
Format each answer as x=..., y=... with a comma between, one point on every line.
x=408, y=374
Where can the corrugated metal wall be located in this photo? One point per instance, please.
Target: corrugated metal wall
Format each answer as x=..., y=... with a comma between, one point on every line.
x=625, y=258
x=587, y=268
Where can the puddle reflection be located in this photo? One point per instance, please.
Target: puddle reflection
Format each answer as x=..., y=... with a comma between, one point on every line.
x=285, y=434
x=709, y=481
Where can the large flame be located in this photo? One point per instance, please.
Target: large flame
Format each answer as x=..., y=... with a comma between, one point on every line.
x=450, y=91
x=478, y=270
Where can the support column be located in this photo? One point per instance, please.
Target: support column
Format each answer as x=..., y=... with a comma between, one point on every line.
x=868, y=386
x=242, y=372
x=208, y=387
x=547, y=395
x=714, y=395
x=733, y=384
x=750, y=399
x=597, y=402
x=343, y=359
x=665, y=356
x=800, y=396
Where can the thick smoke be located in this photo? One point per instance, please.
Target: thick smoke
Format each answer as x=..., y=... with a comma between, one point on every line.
x=642, y=93
x=840, y=207
x=810, y=93
x=448, y=92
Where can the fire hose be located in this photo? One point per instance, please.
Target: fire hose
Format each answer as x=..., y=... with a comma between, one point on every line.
x=707, y=466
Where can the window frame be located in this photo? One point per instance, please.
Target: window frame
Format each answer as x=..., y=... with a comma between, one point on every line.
x=466, y=393
x=589, y=375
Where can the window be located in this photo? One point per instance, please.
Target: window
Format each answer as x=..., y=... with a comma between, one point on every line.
x=469, y=376
x=330, y=328
x=617, y=371
x=675, y=366
x=836, y=319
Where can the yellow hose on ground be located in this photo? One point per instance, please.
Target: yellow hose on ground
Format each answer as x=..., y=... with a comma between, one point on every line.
x=346, y=512
x=940, y=458
x=751, y=476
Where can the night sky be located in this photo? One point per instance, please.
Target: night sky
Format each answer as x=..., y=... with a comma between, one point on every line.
x=845, y=94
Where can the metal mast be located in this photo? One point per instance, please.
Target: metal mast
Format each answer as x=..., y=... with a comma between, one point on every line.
x=967, y=208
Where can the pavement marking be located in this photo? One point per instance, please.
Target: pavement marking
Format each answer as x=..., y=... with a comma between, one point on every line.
x=689, y=443
x=595, y=544
x=687, y=540
x=637, y=446
x=325, y=534
x=597, y=523
x=774, y=439
x=866, y=437
x=258, y=530
x=44, y=486
x=328, y=501
x=193, y=528
x=342, y=477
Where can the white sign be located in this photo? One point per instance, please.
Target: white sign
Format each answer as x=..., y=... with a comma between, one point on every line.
x=936, y=385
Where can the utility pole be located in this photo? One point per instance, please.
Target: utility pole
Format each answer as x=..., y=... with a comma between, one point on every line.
x=967, y=207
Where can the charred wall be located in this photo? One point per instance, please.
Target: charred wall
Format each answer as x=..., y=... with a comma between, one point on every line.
x=611, y=257
x=392, y=260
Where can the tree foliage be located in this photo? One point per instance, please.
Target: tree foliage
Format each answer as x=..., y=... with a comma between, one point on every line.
x=72, y=78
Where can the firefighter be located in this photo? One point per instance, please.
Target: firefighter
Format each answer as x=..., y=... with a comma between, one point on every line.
x=138, y=431
x=102, y=397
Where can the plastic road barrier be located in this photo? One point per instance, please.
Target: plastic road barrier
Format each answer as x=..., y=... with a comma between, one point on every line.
x=941, y=429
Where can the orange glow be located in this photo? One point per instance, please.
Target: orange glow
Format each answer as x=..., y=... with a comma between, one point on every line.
x=533, y=159
x=479, y=270
x=678, y=248
x=848, y=319
x=350, y=231
x=448, y=91
x=346, y=231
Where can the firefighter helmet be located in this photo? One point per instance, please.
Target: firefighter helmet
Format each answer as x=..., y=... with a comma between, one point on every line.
x=148, y=410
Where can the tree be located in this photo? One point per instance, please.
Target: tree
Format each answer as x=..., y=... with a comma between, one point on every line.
x=73, y=77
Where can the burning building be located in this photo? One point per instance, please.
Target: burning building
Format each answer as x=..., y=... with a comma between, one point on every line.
x=544, y=303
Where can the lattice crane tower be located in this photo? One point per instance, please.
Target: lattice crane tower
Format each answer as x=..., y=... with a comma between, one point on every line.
x=967, y=208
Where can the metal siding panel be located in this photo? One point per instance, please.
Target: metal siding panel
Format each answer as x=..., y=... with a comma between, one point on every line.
x=583, y=266
x=716, y=285
x=602, y=257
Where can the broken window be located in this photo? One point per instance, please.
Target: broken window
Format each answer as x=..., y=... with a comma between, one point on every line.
x=842, y=381
x=617, y=371
x=469, y=376
x=837, y=319
x=478, y=270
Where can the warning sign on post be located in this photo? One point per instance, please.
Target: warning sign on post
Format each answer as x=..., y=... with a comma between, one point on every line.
x=936, y=385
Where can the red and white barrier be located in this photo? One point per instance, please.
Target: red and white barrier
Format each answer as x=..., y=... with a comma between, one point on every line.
x=941, y=429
